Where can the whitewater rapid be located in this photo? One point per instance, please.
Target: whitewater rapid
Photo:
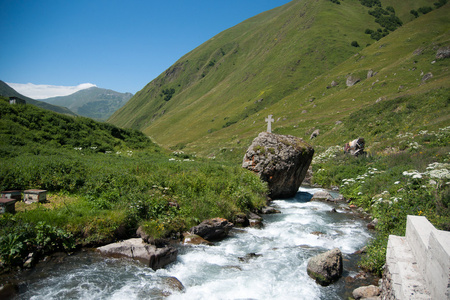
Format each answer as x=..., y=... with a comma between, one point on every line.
x=267, y=263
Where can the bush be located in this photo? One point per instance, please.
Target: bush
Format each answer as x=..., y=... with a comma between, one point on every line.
x=355, y=44
x=425, y=9
x=19, y=238
x=370, y=3
x=378, y=12
x=440, y=3
x=390, y=22
x=377, y=35
x=390, y=9
x=168, y=93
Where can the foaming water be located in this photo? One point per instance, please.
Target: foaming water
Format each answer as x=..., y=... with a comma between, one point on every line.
x=267, y=263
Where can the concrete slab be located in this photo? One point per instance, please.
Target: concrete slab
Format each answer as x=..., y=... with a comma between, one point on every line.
x=418, y=265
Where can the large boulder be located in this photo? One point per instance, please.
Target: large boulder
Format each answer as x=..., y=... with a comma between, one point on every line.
x=280, y=160
x=154, y=257
x=326, y=268
x=212, y=229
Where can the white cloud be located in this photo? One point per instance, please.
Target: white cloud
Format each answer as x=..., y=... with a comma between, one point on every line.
x=42, y=91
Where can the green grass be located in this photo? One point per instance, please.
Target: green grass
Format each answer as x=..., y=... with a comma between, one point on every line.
x=106, y=182
x=409, y=177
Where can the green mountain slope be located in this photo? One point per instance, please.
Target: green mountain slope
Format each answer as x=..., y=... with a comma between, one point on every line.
x=95, y=103
x=7, y=91
x=281, y=62
x=30, y=129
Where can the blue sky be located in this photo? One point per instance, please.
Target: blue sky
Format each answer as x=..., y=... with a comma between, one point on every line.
x=119, y=45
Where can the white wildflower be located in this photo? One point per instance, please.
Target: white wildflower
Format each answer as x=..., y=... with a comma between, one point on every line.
x=440, y=174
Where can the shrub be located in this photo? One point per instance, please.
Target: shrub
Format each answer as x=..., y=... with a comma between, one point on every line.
x=370, y=3
x=440, y=3
x=18, y=238
x=168, y=93
x=390, y=9
x=425, y=9
x=390, y=22
x=377, y=35
x=378, y=12
x=355, y=44
x=12, y=248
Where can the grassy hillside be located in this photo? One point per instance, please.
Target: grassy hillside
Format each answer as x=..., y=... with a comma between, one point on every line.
x=7, y=91
x=95, y=103
x=103, y=182
x=281, y=62
x=243, y=70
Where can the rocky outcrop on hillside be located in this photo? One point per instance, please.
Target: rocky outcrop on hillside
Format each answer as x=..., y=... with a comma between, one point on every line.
x=352, y=80
x=327, y=267
x=443, y=52
x=280, y=160
x=154, y=257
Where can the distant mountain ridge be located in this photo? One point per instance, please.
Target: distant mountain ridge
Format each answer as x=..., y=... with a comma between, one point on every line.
x=94, y=102
x=7, y=91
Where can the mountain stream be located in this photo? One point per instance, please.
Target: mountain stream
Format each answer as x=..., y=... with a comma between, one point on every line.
x=267, y=263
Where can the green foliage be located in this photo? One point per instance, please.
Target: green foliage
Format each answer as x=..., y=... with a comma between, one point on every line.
x=48, y=238
x=389, y=187
x=440, y=3
x=386, y=18
x=11, y=249
x=355, y=44
x=375, y=257
x=168, y=93
x=390, y=9
x=18, y=238
x=390, y=22
x=30, y=129
x=385, y=183
x=370, y=3
x=336, y=1
x=425, y=9
x=378, y=12
x=414, y=12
